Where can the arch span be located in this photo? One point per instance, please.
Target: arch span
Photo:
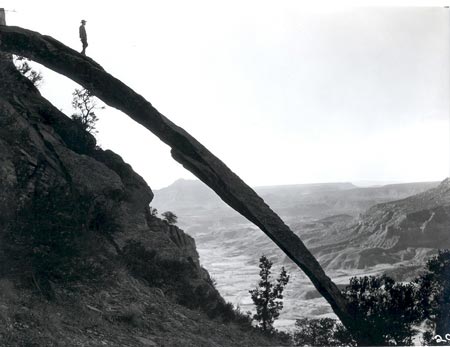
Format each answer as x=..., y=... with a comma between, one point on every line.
x=185, y=149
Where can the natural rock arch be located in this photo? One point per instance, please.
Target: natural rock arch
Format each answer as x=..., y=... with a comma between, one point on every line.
x=185, y=149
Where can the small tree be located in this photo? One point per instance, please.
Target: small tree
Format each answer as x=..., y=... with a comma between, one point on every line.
x=170, y=217
x=84, y=102
x=268, y=296
x=26, y=70
x=153, y=211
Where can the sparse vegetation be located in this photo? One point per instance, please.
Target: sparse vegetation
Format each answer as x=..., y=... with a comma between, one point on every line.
x=85, y=105
x=268, y=296
x=176, y=279
x=170, y=217
x=23, y=66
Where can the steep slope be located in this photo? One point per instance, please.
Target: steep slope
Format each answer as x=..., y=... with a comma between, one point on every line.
x=421, y=220
x=404, y=231
x=83, y=262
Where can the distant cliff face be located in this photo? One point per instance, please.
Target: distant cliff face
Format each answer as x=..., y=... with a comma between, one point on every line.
x=404, y=232
x=398, y=228
x=421, y=220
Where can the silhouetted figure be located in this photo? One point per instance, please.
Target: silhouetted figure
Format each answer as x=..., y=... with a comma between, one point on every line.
x=83, y=36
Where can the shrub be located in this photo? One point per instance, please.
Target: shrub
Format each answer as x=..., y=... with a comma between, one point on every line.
x=387, y=309
x=25, y=69
x=170, y=217
x=390, y=313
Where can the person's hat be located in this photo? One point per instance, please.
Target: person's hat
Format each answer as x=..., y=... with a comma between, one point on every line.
x=83, y=21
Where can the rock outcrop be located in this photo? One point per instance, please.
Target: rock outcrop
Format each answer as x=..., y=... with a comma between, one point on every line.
x=37, y=155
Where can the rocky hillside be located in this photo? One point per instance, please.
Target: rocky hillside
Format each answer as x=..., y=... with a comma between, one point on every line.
x=403, y=232
x=421, y=220
x=83, y=261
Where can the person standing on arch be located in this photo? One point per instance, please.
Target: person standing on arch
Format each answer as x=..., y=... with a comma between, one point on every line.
x=83, y=36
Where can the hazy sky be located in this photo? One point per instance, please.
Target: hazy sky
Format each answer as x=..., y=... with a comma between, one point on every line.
x=281, y=91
